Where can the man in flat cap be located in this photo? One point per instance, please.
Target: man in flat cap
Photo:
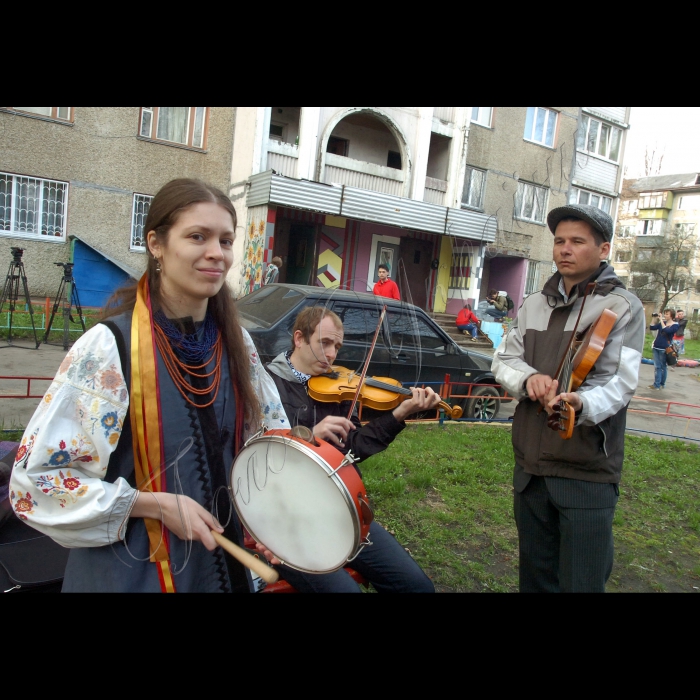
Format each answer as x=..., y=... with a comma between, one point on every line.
x=565, y=490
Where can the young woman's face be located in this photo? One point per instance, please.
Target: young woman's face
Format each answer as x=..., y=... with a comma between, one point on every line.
x=195, y=257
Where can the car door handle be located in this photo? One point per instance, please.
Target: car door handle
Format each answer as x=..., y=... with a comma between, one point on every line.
x=402, y=357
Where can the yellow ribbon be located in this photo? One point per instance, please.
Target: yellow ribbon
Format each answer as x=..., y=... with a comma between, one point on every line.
x=146, y=424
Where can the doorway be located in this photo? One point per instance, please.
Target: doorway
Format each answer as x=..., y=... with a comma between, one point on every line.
x=302, y=252
x=416, y=256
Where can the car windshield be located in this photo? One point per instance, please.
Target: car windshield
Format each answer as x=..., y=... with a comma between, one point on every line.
x=262, y=308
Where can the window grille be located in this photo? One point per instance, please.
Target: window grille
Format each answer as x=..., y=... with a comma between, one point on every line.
x=32, y=207
x=142, y=203
x=460, y=270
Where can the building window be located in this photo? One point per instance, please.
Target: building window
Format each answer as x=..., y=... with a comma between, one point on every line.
x=530, y=202
x=460, y=270
x=652, y=200
x=650, y=227
x=680, y=258
x=32, y=207
x=685, y=229
x=337, y=146
x=474, y=185
x=595, y=200
x=540, y=125
x=277, y=131
x=482, y=115
x=600, y=139
x=142, y=203
x=183, y=125
x=624, y=279
x=623, y=256
x=689, y=202
x=393, y=160
x=626, y=231
x=697, y=288
x=644, y=254
x=640, y=281
x=532, y=278
x=676, y=286
x=59, y=113
x=630, y=208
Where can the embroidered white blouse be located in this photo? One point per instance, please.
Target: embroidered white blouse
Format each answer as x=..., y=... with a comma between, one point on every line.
x=57, y=483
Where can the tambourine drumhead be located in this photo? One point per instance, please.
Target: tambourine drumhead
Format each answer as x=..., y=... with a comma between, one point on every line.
x=285, y=498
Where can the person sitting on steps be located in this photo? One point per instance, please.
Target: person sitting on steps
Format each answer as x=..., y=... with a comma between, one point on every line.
x=467, y=322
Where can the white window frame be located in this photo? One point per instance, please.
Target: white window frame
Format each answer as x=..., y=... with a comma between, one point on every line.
x=62, y=114
x=685, y=228
x=676, y=286
x=627, y=230
x=591, y=138
x=651, y=227
x=197, y=119
x=48, y=214
x=623, y=256
x=689, y=198
x=473, y=190
x=139, y=212
x=482, y=116
x=522, y=200
x=630, y=207
x=652, y=200
x=549, y=118
x=577, y=194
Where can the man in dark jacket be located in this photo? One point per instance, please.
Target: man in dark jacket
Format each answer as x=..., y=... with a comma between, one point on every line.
x=317, y=338
x=565, y=491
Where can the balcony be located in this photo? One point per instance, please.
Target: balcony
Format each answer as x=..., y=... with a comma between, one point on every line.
x=282, y=157
x=435, y=190
x=368, y=176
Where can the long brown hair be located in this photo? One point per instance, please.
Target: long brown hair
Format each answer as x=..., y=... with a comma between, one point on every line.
x=166, y=207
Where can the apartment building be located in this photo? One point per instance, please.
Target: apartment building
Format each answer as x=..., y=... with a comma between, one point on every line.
x=453, y=199
x=76, y=182
x=658, y=222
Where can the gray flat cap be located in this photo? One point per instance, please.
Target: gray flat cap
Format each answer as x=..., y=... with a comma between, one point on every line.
x=597, y=218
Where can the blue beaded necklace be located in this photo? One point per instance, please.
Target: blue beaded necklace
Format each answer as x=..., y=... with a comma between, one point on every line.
x=192, y=348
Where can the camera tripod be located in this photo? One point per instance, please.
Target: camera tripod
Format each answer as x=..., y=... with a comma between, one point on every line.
x=69, y=299
x=10, y=292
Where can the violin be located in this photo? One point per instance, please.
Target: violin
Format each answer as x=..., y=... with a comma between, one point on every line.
x=578, y=361
x=380, y=393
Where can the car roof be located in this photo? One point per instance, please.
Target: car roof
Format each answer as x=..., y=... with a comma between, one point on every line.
x=342, y=294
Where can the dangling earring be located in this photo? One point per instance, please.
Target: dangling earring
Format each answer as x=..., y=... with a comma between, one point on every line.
x=158, y=267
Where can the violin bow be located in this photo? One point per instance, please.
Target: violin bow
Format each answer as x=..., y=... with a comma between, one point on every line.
x=369, y=357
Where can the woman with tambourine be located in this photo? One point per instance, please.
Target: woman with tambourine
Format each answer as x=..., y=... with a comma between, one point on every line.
x=125, y=460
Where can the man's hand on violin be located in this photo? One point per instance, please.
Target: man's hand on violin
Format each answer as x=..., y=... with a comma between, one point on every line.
x=334, y=429
x=571, y=397
x=539, y=387
x=422, y=400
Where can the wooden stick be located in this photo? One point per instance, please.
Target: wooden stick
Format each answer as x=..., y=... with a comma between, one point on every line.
x=258, y=566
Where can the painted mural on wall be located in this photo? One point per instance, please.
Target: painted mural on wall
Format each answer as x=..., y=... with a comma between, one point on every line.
x=252, y=268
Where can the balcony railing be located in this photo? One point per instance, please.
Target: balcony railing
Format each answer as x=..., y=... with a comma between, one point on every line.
x=368, y=176
x=435, y=191
x=282, y=157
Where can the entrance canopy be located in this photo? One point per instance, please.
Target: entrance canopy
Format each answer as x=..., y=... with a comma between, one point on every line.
x=366, y=205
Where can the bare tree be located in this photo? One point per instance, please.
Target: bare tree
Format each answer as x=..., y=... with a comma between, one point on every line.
x=653, y=159
x=663, y=265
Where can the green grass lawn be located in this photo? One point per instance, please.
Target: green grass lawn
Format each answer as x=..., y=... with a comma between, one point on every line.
x=446, y=493
x=22, y=322
x=692, y=348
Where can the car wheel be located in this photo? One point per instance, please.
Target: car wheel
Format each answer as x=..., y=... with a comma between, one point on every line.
x=483, y=404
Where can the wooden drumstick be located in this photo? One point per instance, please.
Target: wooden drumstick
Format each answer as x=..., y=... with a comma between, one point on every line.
x=266, y=573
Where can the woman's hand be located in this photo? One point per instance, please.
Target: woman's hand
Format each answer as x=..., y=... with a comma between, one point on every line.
x=183, y=516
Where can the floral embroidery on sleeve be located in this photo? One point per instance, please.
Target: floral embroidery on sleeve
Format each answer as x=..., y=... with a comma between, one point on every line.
x=23, y=504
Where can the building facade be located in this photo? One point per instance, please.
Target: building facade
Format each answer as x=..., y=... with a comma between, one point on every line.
x=655, y=244
x=453, y=199
x=76, y=182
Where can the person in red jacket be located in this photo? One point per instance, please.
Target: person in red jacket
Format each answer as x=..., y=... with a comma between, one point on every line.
x=467, y=322
x=386, y=287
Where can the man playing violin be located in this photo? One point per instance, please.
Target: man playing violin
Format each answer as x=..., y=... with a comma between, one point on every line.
x=317, y=338
x=566, y=490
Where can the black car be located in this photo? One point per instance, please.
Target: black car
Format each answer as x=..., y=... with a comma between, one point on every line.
x=410, y=347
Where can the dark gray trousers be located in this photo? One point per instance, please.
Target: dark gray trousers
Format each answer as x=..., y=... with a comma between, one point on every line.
x=565, y=535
